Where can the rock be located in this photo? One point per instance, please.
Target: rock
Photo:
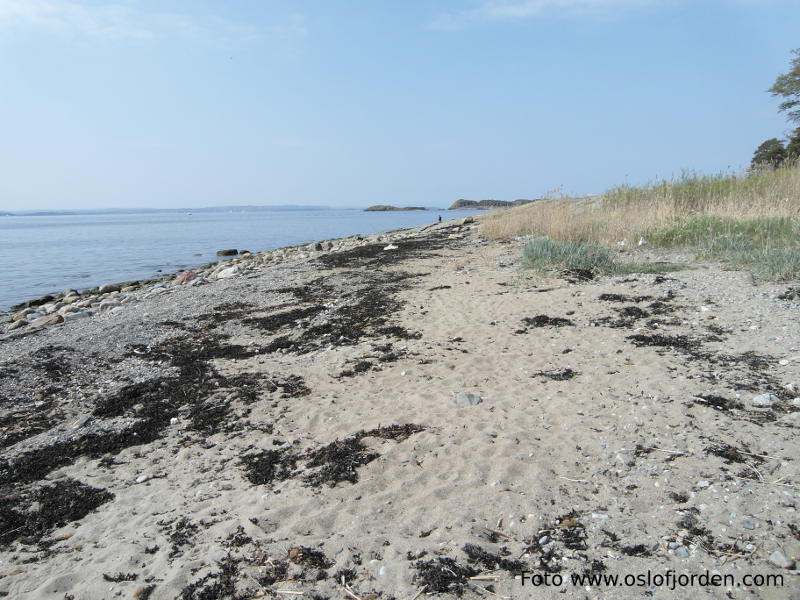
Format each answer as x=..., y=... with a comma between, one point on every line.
x=17, y=324
x=467, y=220
x=109, y=304
x=108, y=288
x=70, y=299
x=783, y=362
x=544, y=540
x=81, y=314
x=228, y=252
x=703, y=484
x=682, y=552
x=195, y=282
x=328, y=245
x=70, y=292
x=227, y=273
x=65, y=310
x=748, y=525
x=185, y=277
x=764, y=400
x=318, y=247
x=779, y=559
x=391, y=247
x=796, y=402
x=142, y=478
x=47, y=320
x=468, y=399
x=22, y=314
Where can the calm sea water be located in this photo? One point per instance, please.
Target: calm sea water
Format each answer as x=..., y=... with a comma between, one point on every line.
x=45, y=254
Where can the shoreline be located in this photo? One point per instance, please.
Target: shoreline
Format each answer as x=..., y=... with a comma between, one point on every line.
x=95, y=295
x=403, y=417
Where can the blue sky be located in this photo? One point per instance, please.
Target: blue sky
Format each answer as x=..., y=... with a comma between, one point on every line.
x=170, y=103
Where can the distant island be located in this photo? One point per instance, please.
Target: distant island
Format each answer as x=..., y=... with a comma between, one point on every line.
x=486, y=204
x=385, y=207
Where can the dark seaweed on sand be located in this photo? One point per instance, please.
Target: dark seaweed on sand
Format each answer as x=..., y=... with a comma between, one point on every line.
x=623, y=298
x=718, y=402
x=331, y=464
x=57, y=504
x=478, y=555
x=215, y=586
x=269, y=466
x=280, y=320
x=374, y=255
x=443, y=575
x=338, y=461
x=732, y=454
x=790, y=294
x=308, y=557
x=676, y=342
x=562, y=375
x=182, y=534
x=636, y=550
x=545, y=321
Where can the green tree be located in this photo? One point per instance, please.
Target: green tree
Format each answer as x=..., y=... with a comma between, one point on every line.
x=768, y=155
x=793, y=145
x=787, y=86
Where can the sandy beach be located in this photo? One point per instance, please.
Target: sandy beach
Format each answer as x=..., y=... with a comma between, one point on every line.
x=403, y=416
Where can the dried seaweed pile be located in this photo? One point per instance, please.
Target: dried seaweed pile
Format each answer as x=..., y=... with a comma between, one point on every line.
x=331, y=464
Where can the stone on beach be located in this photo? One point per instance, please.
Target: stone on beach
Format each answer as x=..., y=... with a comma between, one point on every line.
x=107, y=288
x=47, y=320
x=468, y=399
x=228, y=252
x=185, y=277
x=764, y=400
x=17, y=324
x=227, y=273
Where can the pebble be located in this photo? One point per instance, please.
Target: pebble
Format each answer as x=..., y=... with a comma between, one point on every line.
x=682, y=552
x=468, y=399
x=47, y=320
x=544, y=540
x=783, y=363
x=107, y=288
x=227, y=273
x=703, y=484
x=383, y=571
x=749, y=525
x=142, y=478
x=779, y=559
x=600, y=516
x=764, y=400
x=108, y=304
x=173, y=421
x=17, y=324
x=796, y=402
x=81, y=314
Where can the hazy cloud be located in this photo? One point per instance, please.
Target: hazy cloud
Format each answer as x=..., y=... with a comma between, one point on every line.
x=126, y=19
x=514, y=10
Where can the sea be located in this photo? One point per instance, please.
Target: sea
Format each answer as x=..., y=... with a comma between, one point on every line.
x=46, y=253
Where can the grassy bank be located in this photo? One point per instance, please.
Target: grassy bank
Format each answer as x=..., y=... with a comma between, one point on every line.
x=748, y=221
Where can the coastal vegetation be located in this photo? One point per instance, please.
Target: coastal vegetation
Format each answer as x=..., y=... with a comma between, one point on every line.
x=487, y=204
x=747, y=221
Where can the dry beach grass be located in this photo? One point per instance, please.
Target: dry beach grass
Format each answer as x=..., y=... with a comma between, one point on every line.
x=357, y=422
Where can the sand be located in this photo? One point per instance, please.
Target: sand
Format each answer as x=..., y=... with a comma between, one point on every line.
x=238, y=439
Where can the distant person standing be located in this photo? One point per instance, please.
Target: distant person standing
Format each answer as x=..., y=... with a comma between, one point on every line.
x=440, y=218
